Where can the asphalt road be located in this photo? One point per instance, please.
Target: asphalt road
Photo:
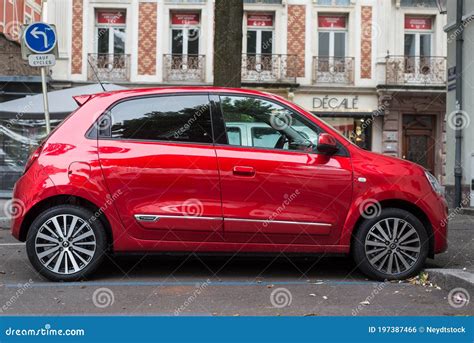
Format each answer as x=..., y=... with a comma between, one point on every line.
x=226, y=285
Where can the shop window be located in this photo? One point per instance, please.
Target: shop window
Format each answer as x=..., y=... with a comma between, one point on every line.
x=357, y=130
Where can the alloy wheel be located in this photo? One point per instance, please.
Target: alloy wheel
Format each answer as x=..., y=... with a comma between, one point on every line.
x=392, y=246
x=65, y=244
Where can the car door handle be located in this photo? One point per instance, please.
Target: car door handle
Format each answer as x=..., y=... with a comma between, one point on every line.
x=244, y=171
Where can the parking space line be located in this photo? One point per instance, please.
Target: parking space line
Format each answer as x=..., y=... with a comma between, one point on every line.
x=190, y=283
x=12, y=244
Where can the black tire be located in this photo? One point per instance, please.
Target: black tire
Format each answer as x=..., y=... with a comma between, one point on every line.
x=361, y=252
x=93, y=261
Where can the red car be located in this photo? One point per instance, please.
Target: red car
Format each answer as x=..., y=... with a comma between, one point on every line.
x=218, y=170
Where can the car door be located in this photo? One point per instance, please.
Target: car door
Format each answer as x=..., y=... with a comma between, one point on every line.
x=275, y=187
x=160, y=167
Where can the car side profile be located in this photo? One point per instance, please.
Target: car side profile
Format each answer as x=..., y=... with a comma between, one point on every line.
x=205, y=169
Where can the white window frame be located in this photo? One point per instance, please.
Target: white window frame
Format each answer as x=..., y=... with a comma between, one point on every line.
x=108, y=26
x=185, y=33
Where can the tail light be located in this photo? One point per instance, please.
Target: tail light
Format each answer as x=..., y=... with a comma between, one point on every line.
x=33, y=157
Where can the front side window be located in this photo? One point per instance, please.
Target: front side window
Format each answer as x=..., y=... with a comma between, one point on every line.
x=182, y=118
x=260, y=123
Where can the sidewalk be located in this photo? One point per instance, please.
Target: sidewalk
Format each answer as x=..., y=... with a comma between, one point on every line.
x=455, y=267
x=4, y=220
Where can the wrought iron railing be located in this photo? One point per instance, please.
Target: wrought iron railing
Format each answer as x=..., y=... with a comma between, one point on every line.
x=184, y=68
x=415, y=70
x=108, y=67
x=336, y=70
x=269, y=68
x=11, y=64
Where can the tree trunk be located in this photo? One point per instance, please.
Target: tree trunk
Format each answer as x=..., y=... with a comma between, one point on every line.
x=228, y=42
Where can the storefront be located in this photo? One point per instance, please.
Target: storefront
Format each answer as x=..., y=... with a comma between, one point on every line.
x=356, y=116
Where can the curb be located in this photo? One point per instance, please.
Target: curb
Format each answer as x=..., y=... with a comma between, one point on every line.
x=468, y=211
x=448, y=279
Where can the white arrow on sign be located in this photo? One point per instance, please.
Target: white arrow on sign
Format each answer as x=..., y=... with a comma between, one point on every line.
x=35, y=34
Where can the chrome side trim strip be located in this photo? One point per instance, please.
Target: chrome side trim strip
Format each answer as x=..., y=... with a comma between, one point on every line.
x=276, y=221
x=146, y=217
x=156, y=217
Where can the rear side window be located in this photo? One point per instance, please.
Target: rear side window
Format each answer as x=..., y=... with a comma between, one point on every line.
x=179, y=118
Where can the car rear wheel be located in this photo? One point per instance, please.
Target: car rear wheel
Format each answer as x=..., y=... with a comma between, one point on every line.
x=394, y=245
x=66, y=243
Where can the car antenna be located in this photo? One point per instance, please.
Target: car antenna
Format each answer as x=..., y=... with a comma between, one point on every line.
x=96, y=76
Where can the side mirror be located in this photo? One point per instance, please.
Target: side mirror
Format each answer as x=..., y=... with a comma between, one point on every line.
x=327, y=144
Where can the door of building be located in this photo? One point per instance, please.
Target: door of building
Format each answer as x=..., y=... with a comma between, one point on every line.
x=419, y=140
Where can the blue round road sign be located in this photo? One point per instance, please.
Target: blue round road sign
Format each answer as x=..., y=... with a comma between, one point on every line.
x=40, y=38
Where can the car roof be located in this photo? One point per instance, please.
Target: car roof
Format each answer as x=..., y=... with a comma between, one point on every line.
x=189, y=89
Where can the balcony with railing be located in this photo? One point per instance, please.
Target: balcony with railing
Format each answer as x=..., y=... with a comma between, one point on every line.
x=415, y=70
x=11, y=64
x=184, y=68
x=108, y=67
x=333, y=70
x=269, y=68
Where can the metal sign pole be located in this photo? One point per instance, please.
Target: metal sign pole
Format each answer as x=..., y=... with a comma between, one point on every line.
x=45, y=99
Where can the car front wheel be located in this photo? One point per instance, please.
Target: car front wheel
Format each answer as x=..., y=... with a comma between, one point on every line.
x=66, y=243
x=394, y=245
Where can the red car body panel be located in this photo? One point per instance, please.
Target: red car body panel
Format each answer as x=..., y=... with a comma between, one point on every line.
x=232, y=184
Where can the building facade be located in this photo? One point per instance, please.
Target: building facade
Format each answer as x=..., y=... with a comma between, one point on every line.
x=462, y=123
